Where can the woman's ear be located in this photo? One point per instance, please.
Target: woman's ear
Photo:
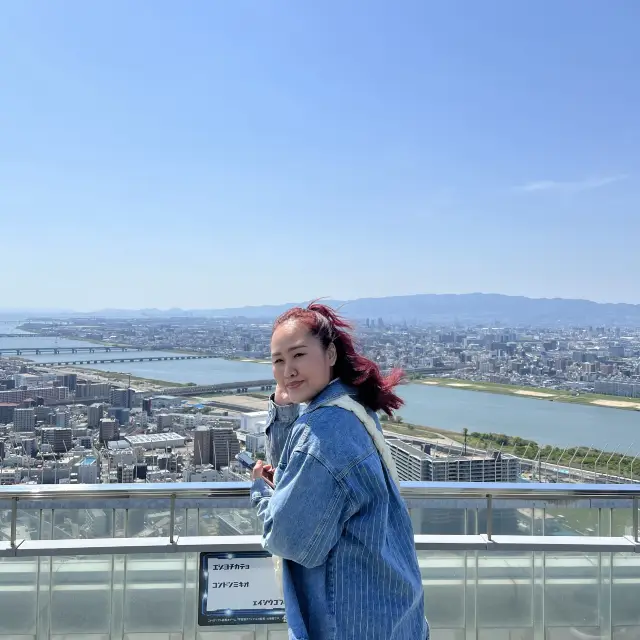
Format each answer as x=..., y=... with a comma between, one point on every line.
x=332, y=354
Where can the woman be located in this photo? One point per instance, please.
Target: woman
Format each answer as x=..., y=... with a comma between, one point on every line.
x=335, y=516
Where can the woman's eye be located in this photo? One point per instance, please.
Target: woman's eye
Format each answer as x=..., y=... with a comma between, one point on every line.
x=278, y=361
x=298, y=355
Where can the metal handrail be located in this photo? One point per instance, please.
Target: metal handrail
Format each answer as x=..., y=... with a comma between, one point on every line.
x=235, y=490
x=181, y=544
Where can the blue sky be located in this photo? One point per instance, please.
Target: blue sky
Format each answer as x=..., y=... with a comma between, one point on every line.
x=208, y=154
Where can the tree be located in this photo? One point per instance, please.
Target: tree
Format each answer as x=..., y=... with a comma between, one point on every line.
x=259, y=455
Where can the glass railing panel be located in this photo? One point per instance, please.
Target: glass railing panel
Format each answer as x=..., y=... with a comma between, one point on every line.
x=239, y=634
x=625, y=596
x=192, y=527
x=445, y=517
x=452, y=520
x=5, y=524
x=229, y=522
x=119, y=523
x=505, y=591
x=118, y=578
x=572, y=590
x=443, y=576
x=18, y=596
x=34, y=524
x=80, y=598
x=192, y=577
x=568, y=516
x=148, y=523
x=559, y=521
x=512, y=633
x=269, y=632
x=154, y=596
x=82, y=523
x=622, y=523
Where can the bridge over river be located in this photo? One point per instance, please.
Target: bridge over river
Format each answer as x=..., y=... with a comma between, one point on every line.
x=23, y=351
x=109, y=360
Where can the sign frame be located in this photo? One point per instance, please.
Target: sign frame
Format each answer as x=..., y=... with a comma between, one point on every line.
x=226, y=617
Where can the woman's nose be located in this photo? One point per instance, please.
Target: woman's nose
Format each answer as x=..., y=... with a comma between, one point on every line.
x=290, y=371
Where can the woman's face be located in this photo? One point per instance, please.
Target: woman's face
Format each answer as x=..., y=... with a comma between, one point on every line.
x=301, y=365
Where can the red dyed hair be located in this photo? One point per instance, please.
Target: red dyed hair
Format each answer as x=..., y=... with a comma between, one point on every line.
x=374, y=389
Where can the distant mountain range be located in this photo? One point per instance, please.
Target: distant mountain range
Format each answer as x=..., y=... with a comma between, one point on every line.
x=473, y=308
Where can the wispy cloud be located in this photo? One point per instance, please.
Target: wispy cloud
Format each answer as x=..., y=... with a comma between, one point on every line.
x=580, y=185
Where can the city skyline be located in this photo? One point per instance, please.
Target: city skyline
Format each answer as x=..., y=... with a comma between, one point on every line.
x=167, y=156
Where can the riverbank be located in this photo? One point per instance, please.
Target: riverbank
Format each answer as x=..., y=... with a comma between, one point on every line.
x=536, y=393
x=145, y=384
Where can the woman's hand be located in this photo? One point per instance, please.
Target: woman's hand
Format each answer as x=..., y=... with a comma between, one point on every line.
x=264, y=471
x=281, y=397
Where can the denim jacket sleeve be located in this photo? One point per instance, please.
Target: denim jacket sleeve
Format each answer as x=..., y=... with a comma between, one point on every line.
x=280, y=419
x=304, y=515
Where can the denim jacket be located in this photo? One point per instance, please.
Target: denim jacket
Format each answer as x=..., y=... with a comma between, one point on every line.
x=336, y=518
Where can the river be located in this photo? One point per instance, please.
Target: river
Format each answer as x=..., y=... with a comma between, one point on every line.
x=546, y=422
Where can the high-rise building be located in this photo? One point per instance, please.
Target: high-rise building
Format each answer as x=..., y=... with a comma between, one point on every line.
x=24, y=419
x=42, y=414
x=94, y=415
x=202, y=445
x=61, y=393
x=215, y=445
x=121, y=414
x=84, y=441
x=69, y=380
x=6, y=412
x=29, y=447
x=164, y=420
x=109, y=430
x=122, y=397
x=224, y=446
x=255, y=442
x=59, y=438
x=125, y=473
x=63, y=418
x=88, y=471
x=93, y=390
x=29, y=380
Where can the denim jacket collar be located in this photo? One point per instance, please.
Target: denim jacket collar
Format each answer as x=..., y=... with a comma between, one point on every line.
x=333, y=390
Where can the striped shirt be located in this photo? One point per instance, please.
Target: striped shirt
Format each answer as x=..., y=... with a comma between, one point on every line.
x=350, y=570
